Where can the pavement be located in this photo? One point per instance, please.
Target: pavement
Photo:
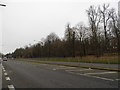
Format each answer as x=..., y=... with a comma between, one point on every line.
x=22, y=74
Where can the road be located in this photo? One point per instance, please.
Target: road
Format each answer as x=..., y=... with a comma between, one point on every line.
x=0, y=76
x=22, y=74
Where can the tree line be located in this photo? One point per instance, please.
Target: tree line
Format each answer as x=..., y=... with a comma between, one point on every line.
x=101, y=36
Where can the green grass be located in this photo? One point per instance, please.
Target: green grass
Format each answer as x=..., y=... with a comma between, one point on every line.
x=87, y=59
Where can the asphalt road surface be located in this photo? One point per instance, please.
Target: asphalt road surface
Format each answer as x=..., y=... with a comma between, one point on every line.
x=0, y=75
x=22, y=74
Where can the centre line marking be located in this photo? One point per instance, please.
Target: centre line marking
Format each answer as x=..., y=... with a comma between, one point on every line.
x=11, y=87
x=5, y=74
x=7, y=78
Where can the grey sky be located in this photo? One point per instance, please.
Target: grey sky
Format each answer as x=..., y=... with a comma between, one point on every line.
x=24, y=21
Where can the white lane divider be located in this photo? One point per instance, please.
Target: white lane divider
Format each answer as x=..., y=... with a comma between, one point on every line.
x=7, y=78
x=103, y=78
x=4, y=70
x=117, y=79
x=101, y=73
x=5, y=74
x=79, y=70
x=0, y=76
x=53, y=69
x=64, y=68
x=11, y=87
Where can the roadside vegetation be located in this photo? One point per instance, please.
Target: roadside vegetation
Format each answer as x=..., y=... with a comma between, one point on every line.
x=98, y=42
x=87, y=59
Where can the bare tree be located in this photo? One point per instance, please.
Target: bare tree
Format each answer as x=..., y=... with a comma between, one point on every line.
x=52, y=37
x=94, y=17
x=116, y=29
x=81, y=34
x=105, y=19
x=70, y=40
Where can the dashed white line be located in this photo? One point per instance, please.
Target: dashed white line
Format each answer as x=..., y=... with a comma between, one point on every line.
x=11, y=87
x=3, y=70
x=5, y=74
x=7, y=78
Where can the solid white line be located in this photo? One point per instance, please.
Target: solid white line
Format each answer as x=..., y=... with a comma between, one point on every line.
x=101, y=73
x=80, y=70
x=65, y=68
x=117, y=79
x=43, y=64
x=93, y=76
x=54, y=69
x=7, y=78
x=101, y=78
x=5, y=74
x=11, y=87
x=62, y=66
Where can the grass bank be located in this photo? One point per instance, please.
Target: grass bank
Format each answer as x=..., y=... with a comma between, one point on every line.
x=87, y=59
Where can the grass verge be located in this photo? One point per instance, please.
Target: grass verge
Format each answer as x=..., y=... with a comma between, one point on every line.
x=87, y=59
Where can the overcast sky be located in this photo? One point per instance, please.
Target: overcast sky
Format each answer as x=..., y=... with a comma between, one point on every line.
x=24, y=21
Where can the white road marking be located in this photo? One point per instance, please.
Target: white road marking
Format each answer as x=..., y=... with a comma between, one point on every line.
x=101, y=73
x=117, y=79
x=62, y=66
x=3, y=70
x=54, y=69
x=5, y=74
x=43, y=64
x=11, y=87
x=93, y=76
x=1, y=76
x=65, y=68
x=80, y=70
x=7, y=78
x=1, y=65
x=100, y=77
